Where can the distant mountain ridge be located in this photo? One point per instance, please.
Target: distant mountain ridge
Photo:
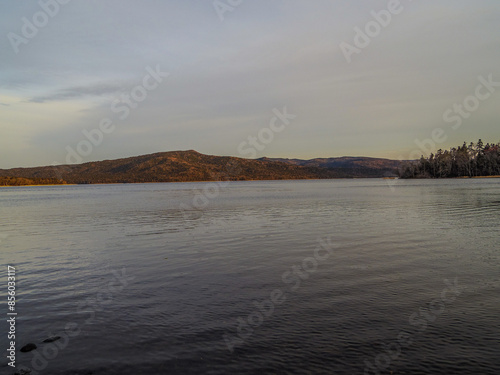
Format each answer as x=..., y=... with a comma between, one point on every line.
x=343, y=162
x=185, y=166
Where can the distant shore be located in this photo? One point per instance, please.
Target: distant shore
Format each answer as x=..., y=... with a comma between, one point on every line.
x=484, y=177
x=311, y=179
x=1, y=186
x=447, y=178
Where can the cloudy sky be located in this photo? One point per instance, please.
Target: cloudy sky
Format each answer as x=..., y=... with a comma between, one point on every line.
x=230, y=67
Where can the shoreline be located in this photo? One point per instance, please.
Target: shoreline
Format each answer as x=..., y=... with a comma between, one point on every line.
x=448, y=178
x=304, y=179
x=191, y=182
x=1, y=186
x=484, y=177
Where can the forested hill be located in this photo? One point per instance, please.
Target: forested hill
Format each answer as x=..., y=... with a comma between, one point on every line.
x=183, y=166
x=473, y=160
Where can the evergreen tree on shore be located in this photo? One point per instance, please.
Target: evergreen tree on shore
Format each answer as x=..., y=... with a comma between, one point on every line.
x=473, y=160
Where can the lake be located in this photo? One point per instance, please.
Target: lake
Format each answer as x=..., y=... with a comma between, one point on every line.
x=267, y=277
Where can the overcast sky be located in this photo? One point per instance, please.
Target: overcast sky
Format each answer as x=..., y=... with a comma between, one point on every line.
x=231, y=66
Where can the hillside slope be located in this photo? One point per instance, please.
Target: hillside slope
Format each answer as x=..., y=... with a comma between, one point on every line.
x=183, y=166
x=175, y=166
x=352, y=166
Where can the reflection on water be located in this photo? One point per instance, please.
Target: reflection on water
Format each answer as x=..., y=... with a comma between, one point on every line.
x=136, y=285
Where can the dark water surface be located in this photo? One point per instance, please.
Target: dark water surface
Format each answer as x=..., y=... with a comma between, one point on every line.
x=407, y=280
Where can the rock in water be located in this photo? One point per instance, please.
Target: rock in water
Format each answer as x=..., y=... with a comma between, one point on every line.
x=28, y=348
x=52, y=339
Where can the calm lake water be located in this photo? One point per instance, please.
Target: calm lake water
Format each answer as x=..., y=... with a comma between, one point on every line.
x=278, y=277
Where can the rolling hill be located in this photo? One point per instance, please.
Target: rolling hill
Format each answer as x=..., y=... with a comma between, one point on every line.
x=184, y=166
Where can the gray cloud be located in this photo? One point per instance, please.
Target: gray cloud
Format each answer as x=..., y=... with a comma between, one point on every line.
x=77, y=92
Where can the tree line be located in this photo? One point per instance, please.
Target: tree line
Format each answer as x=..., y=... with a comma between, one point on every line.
x=473, y=160
x=20, y=181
